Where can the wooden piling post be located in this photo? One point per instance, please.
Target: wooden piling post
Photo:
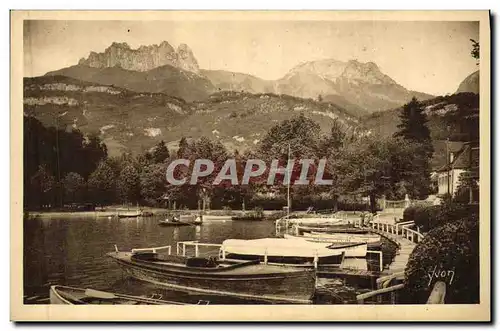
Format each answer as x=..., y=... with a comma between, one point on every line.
x=438, y=293
x=196, y=250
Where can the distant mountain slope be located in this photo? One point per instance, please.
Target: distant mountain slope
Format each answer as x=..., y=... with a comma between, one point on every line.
x=360, y=84
x=165, y=79
x=238, y=82
x=125, y=120
x=361, y=87
x=470, y=84
x=453, y=117
x=131, y=121
x=240, y=120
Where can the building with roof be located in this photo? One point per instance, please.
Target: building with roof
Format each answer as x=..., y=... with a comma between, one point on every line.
x=461, y=157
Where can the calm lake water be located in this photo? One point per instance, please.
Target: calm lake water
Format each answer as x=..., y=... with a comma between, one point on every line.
x=71, y=251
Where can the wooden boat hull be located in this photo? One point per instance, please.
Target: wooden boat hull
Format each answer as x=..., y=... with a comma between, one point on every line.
x=67, y=295
x=173, y=224
x=319, y=221
x=283, y=251
x=129, y=215
x=247, y=218
x=329, y=229
x=345, y=237
x=250, y=280
x=351, y=249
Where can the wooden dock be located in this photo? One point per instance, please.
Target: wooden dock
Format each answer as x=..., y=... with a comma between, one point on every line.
x=391, y=278
x=405, y=248
x=400, y=234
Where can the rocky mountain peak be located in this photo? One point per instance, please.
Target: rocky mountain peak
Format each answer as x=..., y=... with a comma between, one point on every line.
x=334, y=70
x=365, y=72
x=144, y=58
x=470, y=84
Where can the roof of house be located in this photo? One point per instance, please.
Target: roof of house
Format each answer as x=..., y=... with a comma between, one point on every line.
x=460, y=158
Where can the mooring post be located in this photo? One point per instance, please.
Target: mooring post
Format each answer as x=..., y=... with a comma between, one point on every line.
x=223, y=253
x=196, y=249
x=265, y=256
x=438, y=293
x=316, y=260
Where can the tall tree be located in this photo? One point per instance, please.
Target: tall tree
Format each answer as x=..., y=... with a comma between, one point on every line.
x=43, y=187
x=475, y=50
x=183, y=147
x=102, y=184
x=128, y=184
x=364, y=168
x=74, y=187
x=413, y=127
x=160, y=152
x=302, y=133
x=153, y=182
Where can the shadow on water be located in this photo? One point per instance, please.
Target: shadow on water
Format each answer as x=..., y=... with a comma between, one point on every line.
x=71, y=251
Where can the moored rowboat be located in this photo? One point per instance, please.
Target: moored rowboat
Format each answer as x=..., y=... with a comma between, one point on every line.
x=127, y=214
x=329, y=229
x=67, y=295
x=168, y=222
x=351, y=249
x=283, y=251
x=243, y=279
x=345, y=237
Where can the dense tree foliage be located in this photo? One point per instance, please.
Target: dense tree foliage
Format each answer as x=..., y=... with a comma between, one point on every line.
x=475, y=50
x=449, y=249
x=413, y=128
x=50, y=154
x=357, y=163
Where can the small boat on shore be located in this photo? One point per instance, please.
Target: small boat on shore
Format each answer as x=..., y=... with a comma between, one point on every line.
x=330, y=229
x=247, y=218
x=372, y=240
x=172, y=222
x=283, y=251
x=318, y=221
x=243, y=279
x=67, y=295
x=358, y=249
x=129, y=213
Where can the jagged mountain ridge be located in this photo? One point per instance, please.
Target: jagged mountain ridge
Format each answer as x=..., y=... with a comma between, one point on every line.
x=143, y=58
x=362, y=85
x=359, y=87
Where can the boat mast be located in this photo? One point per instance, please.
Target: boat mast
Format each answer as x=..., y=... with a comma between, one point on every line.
x=288, y=187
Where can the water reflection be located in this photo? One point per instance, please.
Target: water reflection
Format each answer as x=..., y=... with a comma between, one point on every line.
x=71, y=251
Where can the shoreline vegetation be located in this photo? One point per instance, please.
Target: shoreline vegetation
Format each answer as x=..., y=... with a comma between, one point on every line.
x=112, y=211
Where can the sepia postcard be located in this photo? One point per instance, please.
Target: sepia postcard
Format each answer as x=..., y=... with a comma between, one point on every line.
x=250, y=166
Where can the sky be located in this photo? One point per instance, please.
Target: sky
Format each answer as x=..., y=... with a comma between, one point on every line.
x=431, y=57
